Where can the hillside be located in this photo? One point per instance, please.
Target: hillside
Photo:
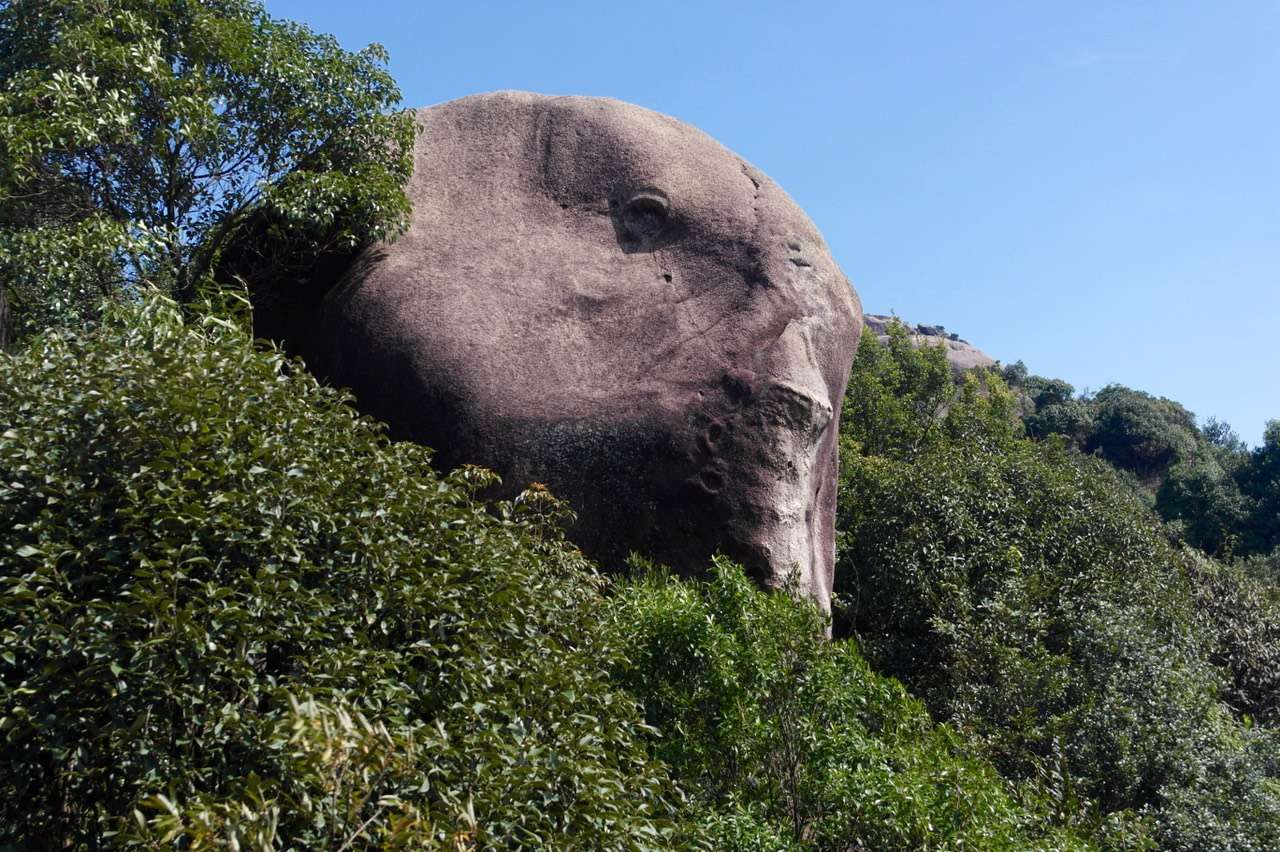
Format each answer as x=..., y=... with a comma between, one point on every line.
x=1029, y=661
x=961, y=354
x=1211, y=490
x=737, y=573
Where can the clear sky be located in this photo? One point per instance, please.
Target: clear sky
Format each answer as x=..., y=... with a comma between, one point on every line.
x=1092, y=188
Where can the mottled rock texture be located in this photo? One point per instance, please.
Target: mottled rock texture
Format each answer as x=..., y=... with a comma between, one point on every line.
x=605, y=300
x=961, y=354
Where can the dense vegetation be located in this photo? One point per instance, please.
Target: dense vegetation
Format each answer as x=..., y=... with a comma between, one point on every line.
x=233, y=614
x=232, y=609
x=786, y=741
x=1216, y=494
x=137, y=137
x=230, y=604
x=1027, y=595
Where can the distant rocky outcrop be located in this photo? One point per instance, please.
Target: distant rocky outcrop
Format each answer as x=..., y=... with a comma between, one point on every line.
x=605, y=300
x=961, y=354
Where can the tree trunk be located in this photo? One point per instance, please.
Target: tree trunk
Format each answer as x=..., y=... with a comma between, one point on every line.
x=4, y=320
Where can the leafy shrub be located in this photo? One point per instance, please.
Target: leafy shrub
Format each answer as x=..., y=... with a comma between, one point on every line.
x=779, y=734
x=1242, y=613
x=1202, y=498
x=1029, y=599
x=219, y=586
x=1139, y=432
x=138, y=136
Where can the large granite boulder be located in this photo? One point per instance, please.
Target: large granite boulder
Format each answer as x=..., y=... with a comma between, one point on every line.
x=605, y=300
x=961, y=354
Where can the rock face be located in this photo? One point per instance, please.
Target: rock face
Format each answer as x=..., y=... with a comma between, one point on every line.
x=605, y=300
x=960, y=353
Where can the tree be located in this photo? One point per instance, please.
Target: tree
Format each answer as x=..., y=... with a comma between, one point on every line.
x=903, y=398
x=1022, y=592
x=1052, y=392
x=1141, y=433
x=1072, y=419
x=1205, y=501
x=787, y=741
x=1222, y=436
x=1260, y=480
x=137, y=137
x=197, y=533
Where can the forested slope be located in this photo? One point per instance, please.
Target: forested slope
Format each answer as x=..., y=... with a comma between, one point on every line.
x=233, y=614
x=232, y=609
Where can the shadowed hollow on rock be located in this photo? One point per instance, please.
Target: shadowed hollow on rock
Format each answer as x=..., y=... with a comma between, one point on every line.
x=605, y=300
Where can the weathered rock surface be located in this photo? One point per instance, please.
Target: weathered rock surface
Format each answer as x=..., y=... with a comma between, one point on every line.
x=961, y=354
x=605, y=300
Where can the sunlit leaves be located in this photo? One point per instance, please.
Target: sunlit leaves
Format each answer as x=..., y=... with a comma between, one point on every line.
x=1033, y=601
x=197, y=533
x=786, y=740
x=136, y=138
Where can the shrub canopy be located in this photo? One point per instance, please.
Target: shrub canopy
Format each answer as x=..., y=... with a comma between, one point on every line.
x=138, y=136
x=231, y=605
x=787, y=741
x=1030, y=599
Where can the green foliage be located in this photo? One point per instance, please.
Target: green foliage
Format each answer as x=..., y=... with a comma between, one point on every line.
x=1263, y=566
x=1243, y=617
x=781, y=735
x=136, y=137
x=1029, y=599
x=1139, y=432
x=340, y=772
x=197, y=532
x=1202, y=497
x=1202, y=480
x=1073, y=419
x=1260, y=481
x=903, y=399
x=1038, y=392
x=900, y=390
x=1222, y=436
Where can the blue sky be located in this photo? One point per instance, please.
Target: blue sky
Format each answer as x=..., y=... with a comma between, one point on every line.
x=1093, y=188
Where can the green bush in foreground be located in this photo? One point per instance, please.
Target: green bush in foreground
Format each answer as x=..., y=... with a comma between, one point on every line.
x=232, y=612
x=790, y=742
